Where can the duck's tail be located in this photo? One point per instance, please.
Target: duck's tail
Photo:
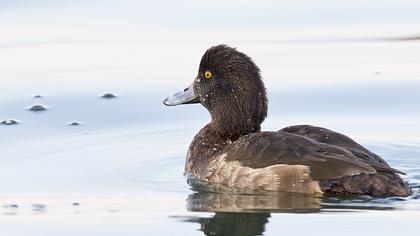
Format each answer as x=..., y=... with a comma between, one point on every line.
x=378, y=184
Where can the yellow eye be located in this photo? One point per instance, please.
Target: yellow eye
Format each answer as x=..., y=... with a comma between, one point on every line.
x=207, y=75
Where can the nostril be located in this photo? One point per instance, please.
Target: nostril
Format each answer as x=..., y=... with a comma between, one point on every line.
x=166, y=101
x=185, y=90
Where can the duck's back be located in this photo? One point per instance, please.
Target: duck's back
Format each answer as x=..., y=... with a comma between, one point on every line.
x=334, y=161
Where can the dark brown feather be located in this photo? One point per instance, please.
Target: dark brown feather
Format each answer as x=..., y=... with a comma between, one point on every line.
x=326, y=136
x=262, y=149
x=380, y=184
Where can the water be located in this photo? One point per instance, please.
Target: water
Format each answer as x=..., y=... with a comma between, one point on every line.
x=123, y=166
x=94, y=164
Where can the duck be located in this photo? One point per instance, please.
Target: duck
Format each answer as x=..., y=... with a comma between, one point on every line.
x=232, y=151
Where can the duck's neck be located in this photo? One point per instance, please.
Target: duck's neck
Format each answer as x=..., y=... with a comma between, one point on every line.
x=212, y=140
x=205, y=145
x=232, y=125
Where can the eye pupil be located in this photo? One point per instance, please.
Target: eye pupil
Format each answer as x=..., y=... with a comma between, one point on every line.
x=207, y=74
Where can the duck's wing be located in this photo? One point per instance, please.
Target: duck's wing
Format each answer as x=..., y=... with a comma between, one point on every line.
x=259, y=150
x=323, y=135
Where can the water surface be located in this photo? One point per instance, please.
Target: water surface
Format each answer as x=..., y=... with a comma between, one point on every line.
x=120, y=170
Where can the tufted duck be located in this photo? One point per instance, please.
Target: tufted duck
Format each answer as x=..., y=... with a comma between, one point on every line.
x=232, y=151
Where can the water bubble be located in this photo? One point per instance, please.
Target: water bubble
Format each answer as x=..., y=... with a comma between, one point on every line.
x=108, y=96
x=39, y=208
x=11, y=209
x=37, y=107
x=9, y=122
x=38, y=205
x=10, y=206
x=75, y=123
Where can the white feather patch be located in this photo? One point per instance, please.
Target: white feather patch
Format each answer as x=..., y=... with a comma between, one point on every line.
x=280, y=177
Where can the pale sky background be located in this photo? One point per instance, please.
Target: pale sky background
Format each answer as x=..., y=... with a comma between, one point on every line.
x=135, y=39
x=216, y=14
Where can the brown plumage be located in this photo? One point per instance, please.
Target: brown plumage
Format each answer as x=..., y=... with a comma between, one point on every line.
x=231, y=150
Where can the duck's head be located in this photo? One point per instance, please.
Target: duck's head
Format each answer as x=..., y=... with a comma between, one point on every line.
x=229, y=85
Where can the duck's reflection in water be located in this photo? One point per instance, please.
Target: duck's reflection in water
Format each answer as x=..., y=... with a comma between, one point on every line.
x=233, y=224
x=267, y=202
x=247, y=213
